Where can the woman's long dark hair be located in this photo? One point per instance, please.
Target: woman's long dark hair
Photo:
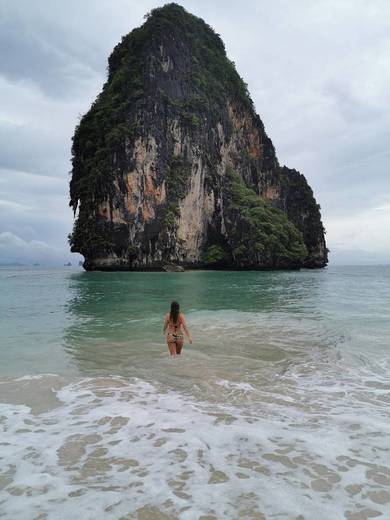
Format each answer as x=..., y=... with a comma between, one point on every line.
x=174, y=314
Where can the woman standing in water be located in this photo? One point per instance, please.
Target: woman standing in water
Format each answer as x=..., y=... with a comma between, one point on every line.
x=174, y=322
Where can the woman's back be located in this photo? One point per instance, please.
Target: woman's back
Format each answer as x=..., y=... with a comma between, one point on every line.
x=174, y=327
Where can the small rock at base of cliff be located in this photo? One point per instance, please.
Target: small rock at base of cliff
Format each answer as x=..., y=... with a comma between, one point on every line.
x=172, y=268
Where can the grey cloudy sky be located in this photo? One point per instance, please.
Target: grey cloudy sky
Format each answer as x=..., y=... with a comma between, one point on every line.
x=317, y=70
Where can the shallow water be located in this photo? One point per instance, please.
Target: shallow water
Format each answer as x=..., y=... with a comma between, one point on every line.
x=279, y=409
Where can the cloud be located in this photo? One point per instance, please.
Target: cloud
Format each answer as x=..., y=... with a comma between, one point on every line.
x=60, y=45
x=35, y=130
x=8, y=205
x=15, y=249
x=42, y=47
x=35, y=208
x=365, y=231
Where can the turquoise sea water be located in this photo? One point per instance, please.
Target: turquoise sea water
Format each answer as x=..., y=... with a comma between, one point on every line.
x=279, y=409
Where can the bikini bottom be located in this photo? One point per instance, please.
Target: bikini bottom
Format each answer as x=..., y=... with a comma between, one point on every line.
x=176, y=337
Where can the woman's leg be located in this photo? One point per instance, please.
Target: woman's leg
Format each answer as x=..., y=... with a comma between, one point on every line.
x=179, y=346
x=172, y=348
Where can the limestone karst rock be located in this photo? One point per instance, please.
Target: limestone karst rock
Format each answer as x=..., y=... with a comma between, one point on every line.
x=172, y=165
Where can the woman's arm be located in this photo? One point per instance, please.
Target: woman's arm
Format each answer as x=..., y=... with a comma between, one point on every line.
x=183, y=322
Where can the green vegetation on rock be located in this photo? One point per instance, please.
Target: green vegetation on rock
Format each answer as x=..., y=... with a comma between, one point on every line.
x=92, y=234
x=132, y=251
x=215, y=255
x=302, y=208
x=257, y=233
x=212, y=73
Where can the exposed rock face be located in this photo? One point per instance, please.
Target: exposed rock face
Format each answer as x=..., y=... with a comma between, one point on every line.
x=172, y=165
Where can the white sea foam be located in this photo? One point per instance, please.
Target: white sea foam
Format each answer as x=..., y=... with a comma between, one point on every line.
x=132, y=449
x=34, y=376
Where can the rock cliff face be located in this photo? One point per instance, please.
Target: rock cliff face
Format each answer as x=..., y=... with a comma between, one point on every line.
x=172, y=165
